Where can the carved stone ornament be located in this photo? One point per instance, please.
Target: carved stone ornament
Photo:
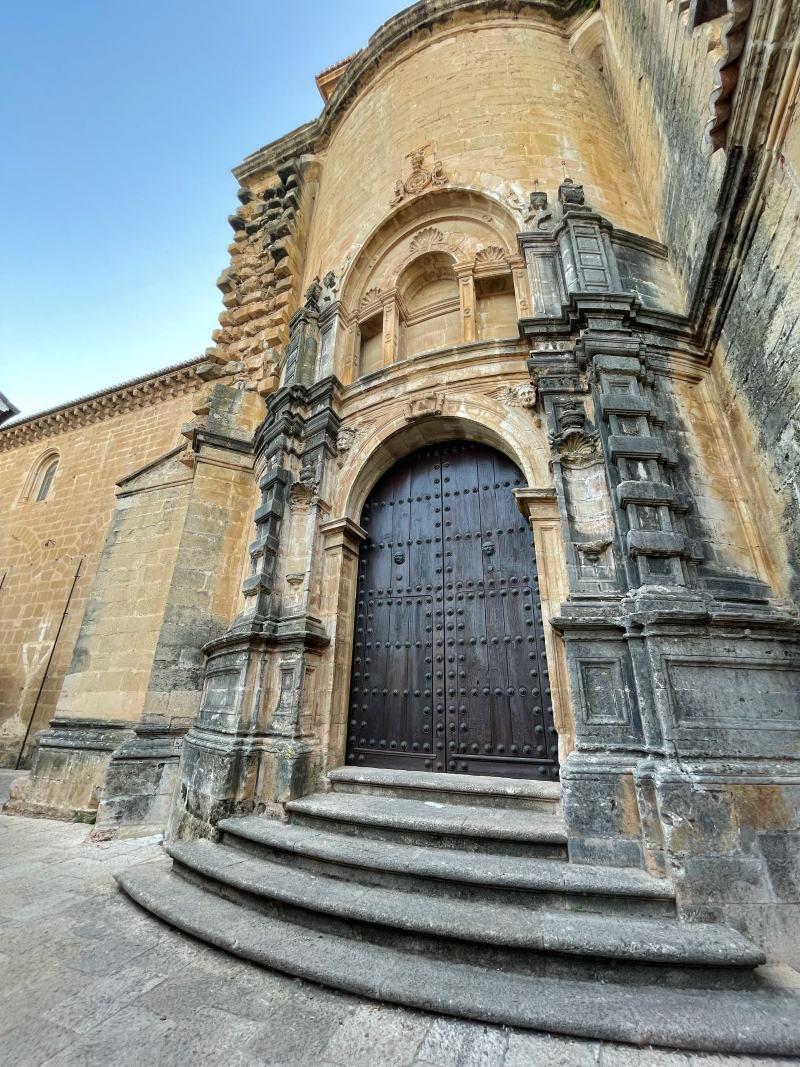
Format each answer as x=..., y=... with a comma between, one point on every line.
x=593, y=550
x=491, y=256
x=330, y=289
x=428, y=239
x=571, y=195
x=523, y=395
x=423, y=175
x=295, y=579
x=538, y=212
x=424, y=406
x=302, y=496
x=372, y=296
x=304, y=492
x=575, y=444
x=313, y=294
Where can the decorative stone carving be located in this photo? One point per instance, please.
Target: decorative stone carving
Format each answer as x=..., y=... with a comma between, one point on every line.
x=313, y=295
x=518, y=396
x=538, y=212
x=571, y=195
x=304, y=492
x=575, y=444
x=593, y=550
x=491, y=256
x=302, y=496
x=330, y=289
x=428, y=239
x=424, y=406
x=421, y=177
x=294, y=579
x=372, y=296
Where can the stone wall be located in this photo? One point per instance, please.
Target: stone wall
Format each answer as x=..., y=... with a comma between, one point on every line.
x=760, y=349
x=735, y=161
x=43, y=545
x=518, y=103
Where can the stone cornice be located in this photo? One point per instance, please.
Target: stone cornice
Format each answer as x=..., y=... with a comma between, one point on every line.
x=391, y=35
x=105, y=404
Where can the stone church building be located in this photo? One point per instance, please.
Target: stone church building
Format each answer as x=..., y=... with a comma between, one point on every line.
x=444, y=614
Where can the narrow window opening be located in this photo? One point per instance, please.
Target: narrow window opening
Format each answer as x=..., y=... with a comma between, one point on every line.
x=46, y=481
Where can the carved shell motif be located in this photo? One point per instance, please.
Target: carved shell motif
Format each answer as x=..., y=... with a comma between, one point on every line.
x=492, y=255
x=428, y=239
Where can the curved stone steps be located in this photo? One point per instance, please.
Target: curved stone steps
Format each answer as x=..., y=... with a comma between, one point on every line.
x=430, y=822
x=748, y=1023
x=507, y=793
x=534, y=882
x=463, y=929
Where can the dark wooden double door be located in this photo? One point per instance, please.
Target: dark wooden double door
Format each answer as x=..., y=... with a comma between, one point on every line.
x=449, y=669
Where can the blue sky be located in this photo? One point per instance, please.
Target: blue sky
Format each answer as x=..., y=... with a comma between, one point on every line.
x=120, y=121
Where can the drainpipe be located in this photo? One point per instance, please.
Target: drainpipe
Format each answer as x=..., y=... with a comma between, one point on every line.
x=49, y=661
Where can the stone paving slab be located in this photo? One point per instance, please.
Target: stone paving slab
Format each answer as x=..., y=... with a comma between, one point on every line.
x=89, y=980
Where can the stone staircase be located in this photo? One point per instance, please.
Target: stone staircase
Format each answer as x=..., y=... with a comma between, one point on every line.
x=455, y=895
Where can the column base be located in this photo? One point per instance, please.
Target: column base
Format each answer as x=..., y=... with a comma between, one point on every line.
x=140, y=781
x=224, y=776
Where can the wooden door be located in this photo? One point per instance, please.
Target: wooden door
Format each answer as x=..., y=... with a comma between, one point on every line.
x=449, y=669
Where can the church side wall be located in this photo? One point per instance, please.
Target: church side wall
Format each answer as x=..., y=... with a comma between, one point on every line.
x=43, y=543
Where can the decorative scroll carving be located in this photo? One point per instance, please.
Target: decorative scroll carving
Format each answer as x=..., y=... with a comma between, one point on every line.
x=421, y=177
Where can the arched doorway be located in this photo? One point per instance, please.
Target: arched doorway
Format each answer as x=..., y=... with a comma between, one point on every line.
x=449, y=670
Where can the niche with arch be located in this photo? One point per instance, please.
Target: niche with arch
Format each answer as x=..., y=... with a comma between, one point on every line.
x=430, y=307
x=442, y=271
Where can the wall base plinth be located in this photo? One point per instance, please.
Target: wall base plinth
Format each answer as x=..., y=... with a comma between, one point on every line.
x=69, y=767
x=600, y=808
x=731, y=831
x=140, y=781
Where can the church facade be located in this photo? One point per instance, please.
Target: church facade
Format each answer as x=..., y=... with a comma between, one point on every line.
x=490, y=472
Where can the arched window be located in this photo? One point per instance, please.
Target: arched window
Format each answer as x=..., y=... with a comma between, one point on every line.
x=40, y=480
x=46, y=480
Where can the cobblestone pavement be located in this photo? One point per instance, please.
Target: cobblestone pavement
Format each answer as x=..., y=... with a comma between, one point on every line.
x=89, y=980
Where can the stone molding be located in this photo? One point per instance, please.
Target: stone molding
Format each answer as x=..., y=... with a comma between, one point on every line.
x=105, y=404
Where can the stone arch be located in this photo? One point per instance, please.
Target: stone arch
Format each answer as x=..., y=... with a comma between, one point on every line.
x=419, y=220
x=474, y=418
x=473, y=230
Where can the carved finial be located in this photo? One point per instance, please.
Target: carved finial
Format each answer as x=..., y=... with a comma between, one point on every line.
x=571, y=195
x=313, y=293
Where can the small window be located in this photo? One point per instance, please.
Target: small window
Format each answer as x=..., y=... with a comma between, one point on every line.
x=39, y=482
x=46, y=480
